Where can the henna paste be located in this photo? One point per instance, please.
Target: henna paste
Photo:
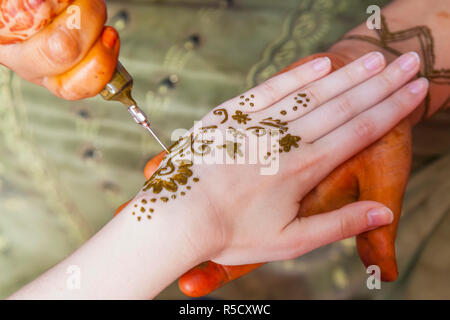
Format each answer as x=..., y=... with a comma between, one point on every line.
x=175, y=174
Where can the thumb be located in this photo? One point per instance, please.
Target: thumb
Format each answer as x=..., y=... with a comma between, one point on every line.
x=306, y=234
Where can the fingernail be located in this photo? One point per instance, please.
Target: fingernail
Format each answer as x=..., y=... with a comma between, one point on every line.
x=321, y=63
x=409, y=60
x=379, y=216
x=109, y=37
x=418, y=85
x=373, y=60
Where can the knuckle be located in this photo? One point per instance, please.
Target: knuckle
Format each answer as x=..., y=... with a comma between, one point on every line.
x=364, y=128
x=269, y=88
x=316, y=97
x=401, y=102
x=386, y=81
x=304, y=165
x=315, y=152
x=299, y=75
x=398, y=102
x=62, y=47
x=350, y=76
x=345, y=228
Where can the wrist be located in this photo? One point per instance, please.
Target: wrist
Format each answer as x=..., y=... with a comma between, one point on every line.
x=189, y=220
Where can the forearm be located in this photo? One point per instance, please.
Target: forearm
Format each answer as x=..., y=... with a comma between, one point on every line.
x=127, y=259
x=412, y=25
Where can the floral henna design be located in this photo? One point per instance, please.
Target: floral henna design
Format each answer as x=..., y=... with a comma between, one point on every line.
x=176, y=176
x=288, y=142
x=241, y=117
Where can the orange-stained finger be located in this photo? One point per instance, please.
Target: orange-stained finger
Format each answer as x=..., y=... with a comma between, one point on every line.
x=58, y=47
x=150, y=168
x=92, y=74
x=280, y=86
x=153, y=165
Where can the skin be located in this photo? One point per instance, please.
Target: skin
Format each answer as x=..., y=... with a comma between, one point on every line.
x=385, y=164
x=66, y=58
x=350, y=182
x=257, y=220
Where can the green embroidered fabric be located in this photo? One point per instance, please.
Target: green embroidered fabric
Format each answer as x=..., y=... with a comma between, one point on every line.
x=66, y=166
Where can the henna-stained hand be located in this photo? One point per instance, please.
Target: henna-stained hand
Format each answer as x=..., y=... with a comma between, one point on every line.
x=241, y=201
